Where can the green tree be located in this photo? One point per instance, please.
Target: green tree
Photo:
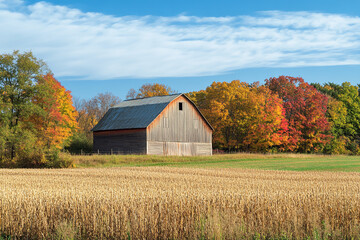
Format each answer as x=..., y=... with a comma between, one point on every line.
x=345, y=115
x=19, y=74
x=336, y=114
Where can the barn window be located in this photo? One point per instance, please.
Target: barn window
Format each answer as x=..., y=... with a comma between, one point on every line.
x=180, y=106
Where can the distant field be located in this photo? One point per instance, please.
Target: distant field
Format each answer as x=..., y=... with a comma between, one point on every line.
x=293, y=162
x=178, y=203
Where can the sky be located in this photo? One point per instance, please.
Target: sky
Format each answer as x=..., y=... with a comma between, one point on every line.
x=95, y=46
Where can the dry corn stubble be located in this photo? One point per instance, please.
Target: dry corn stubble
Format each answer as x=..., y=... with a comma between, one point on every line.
x=178, y=203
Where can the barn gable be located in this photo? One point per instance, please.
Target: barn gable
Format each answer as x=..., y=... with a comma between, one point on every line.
x=179, y=130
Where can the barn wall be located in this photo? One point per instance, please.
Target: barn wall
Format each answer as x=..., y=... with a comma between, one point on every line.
x=120, y=141
x=178, y=148
x=176, y=132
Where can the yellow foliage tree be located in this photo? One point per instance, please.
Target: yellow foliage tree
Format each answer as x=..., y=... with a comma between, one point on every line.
x=244, y=117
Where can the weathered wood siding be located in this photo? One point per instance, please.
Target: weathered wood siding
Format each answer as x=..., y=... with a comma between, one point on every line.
x=131, y=141
x=179, y=132
x=178, y=148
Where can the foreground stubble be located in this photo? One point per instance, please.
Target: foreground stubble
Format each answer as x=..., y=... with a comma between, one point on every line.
x=178, y=203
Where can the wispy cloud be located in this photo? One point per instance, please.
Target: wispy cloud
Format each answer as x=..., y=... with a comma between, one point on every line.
x=97, y=46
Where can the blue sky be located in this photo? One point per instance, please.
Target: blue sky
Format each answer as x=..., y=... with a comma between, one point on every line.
x=97, y=46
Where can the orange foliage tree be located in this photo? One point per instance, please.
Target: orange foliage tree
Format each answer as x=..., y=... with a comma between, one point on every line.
x=59, y=119
x=268, y=126
x=244, y=117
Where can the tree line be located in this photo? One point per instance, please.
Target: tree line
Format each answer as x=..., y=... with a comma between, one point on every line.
x=39, y=118
x=286, y=114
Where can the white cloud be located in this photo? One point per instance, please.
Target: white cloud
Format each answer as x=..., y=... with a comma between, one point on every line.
x=98, y=46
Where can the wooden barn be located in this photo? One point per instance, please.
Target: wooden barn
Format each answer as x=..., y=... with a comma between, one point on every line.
x=162, y=125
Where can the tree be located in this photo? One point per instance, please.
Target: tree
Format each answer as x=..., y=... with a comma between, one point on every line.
x=336, y=115
x=149, y=90
x=59, y=122
x=19, y=75
x=305, y=107
x=199, y=98
x=268, y=127
x=345, y=112
x=35, y=110
x=244, y=117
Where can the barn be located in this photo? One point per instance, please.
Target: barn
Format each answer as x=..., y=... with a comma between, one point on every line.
x=161, y=125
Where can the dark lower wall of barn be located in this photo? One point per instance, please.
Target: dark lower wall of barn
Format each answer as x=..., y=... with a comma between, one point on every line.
x=120, y=141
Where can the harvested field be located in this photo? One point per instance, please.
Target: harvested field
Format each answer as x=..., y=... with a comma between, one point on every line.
x=178, y=203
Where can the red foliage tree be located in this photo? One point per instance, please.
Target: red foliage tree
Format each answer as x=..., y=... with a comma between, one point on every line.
x=305, y=109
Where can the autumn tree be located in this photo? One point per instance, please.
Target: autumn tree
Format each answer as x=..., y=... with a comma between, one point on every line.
x=245, y=117
x=150, y=90
x=268, y=128
x=216, y=108
x=59, y=121
x=199, y=98
x=305, y=108
x=31, y=107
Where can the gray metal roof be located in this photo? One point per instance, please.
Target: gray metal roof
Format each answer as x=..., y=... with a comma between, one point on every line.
x=136, y=113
